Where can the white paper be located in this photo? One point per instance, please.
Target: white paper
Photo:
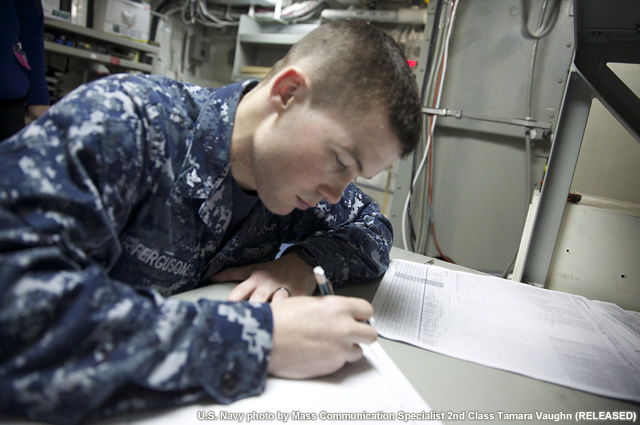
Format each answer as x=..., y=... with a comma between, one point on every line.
x=547, y=335
x=373, y=386
x=625, y=322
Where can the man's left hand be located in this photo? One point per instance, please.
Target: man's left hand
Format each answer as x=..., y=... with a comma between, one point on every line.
x=262, y=282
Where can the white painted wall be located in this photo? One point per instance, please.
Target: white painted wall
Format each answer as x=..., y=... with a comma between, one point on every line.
x=598, y=245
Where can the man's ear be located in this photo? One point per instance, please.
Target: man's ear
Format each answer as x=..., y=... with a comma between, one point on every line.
x=289, y=83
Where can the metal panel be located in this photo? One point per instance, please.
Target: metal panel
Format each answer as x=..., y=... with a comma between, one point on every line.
x=604, y=33
x=480, y=188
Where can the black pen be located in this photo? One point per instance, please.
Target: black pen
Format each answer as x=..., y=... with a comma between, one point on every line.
x=323, y=283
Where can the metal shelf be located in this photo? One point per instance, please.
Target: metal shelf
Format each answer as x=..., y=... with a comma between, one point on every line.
x=94, y=35
x=99, y=35
x=50, y=46
x=262, y=44
x=276, y=39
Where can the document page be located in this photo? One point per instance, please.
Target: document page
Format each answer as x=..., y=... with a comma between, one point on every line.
x=372, y=390
x=625, y=322
x=547, y=335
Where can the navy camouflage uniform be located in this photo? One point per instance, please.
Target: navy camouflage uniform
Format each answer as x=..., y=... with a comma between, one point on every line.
x=118, y=197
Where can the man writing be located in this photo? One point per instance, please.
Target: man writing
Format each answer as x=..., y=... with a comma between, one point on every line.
x=134, y=188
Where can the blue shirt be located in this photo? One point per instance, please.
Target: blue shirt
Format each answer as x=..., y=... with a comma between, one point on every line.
x=119, y=196
x=21, y=20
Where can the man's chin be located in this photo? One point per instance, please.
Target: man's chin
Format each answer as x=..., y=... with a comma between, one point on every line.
x=280, y=209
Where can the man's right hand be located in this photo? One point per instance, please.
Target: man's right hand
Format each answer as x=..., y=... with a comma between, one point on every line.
x=316, y=336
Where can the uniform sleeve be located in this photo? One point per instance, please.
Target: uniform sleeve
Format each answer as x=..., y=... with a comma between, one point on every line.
x=32, y=39
x=73, y=341
x=351, y=240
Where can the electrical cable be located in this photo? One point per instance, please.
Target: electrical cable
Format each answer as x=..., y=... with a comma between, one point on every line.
x=437, y=98
x=427, y=75
x=207, y=18
x=431, y=52
x=439, y=81
x=198, y=11
x=544, y=27
x=423, y=206
x=183, y=16
x=294, y=13
x=436, y=104
x=433, y=85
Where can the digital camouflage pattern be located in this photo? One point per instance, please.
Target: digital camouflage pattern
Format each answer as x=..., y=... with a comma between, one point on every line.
x=120, y=196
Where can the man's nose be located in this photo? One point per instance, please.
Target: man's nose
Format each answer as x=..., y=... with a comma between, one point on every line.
x=333, y=191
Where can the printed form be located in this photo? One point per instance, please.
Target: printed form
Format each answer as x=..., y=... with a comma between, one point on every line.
x=371, y=390
x=552, y=336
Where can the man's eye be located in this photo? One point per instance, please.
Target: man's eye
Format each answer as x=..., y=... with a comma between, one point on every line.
x=340, y=163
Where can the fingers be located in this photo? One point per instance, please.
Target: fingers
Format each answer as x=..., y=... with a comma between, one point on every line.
x=250, y=287
x=361, y=309
x=365, y=333
x=354, y=354
x=247, y=291
x=282, y=293
x=259, y=282
x=241, y=292
x=250, y=290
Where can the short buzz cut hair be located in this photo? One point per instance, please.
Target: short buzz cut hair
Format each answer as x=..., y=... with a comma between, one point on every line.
x=355, y=67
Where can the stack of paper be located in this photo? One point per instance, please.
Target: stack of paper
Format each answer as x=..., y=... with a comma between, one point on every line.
x=552, y=336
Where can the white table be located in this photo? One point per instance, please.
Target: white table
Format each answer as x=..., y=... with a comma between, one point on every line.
x=461, y=388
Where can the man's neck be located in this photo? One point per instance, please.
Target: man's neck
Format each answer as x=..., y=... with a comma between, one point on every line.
x=246, y=120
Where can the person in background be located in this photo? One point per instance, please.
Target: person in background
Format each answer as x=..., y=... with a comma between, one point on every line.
x=133, y=188
x=22, y=66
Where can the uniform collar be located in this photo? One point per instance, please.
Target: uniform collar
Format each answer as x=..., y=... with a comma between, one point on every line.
x=207, y=161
